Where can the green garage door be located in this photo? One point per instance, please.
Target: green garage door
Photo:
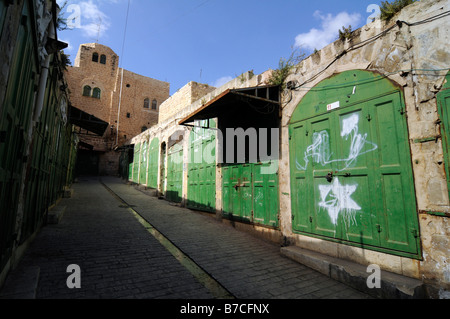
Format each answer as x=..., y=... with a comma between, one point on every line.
x=351, y=173
x=201, y=193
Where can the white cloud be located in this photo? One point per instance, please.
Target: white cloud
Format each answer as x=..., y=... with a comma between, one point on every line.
x=94, y=22
x=329, y=30
x=221, y=81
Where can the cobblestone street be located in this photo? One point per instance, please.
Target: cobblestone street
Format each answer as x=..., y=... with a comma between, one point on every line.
x=120, y=258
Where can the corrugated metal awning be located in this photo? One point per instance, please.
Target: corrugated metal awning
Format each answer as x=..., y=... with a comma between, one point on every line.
x=259, y=100
x=87, y=121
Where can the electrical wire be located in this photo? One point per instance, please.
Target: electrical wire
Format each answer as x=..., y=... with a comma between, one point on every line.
x=120, y=68
x=363, y=43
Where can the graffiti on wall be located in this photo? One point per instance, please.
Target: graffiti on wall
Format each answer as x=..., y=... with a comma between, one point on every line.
x=335, y=197
x=319, y=150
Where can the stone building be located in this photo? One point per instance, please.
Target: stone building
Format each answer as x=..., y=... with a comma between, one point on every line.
x=129, y=103
x=360, y=176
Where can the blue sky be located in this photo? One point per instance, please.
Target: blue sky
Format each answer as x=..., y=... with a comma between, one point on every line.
x=208, y=41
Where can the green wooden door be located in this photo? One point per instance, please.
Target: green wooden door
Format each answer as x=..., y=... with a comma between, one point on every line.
x=136, y=162
x=201, y=193
x=351, y=173
x=153, y=160
x=443, y=100
x=175, y=174
x=143, y=164
x=250, y=195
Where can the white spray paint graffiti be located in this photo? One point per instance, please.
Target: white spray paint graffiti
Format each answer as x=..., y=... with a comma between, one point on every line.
x=335, y=197
x=320, y=152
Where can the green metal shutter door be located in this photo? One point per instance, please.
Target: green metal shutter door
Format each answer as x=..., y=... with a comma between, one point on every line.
x=202, y=174
x=265, y=196
x=136, y=162
x=249, y=195
x=143, y=164
x=175, y=174
x=153, y=160
x=14, y=122
x=352, y=177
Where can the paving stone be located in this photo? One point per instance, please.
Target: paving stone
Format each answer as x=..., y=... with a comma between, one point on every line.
x=120, y=259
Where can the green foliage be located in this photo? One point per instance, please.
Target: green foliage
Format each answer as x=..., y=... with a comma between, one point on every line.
x=61, y=22
x=389, y=9
x=285, y=67
x=345, y=33
x=65, y=60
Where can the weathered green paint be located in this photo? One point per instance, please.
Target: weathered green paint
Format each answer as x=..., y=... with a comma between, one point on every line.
x=201, y=193
x=351, y=173
x=143, y=164
x=443, y=101
x=153, y=160
x=249, y=195
x=14, y=123
x=175, y=173
x=136, y=162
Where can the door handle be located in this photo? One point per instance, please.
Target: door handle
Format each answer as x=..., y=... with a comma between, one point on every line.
x=329, y=177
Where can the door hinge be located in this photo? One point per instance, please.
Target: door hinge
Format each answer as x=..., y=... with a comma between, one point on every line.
x=310, y=219
x=415, y=233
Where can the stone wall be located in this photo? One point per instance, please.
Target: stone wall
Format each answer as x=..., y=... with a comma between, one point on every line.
x=185, y=96
x=405, y=55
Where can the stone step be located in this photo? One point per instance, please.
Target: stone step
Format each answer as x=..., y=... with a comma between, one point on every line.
x=393, y=286
x=55, y=215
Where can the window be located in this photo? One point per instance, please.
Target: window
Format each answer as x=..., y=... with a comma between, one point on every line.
x=128, y=115
x=87, y=90
x=146, y=103
x=97, y=93
x=103, y=59
x=95, y=57
x=154, y=104
x=143, y=129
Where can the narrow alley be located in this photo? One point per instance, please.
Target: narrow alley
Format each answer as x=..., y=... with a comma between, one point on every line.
x=119, y=258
